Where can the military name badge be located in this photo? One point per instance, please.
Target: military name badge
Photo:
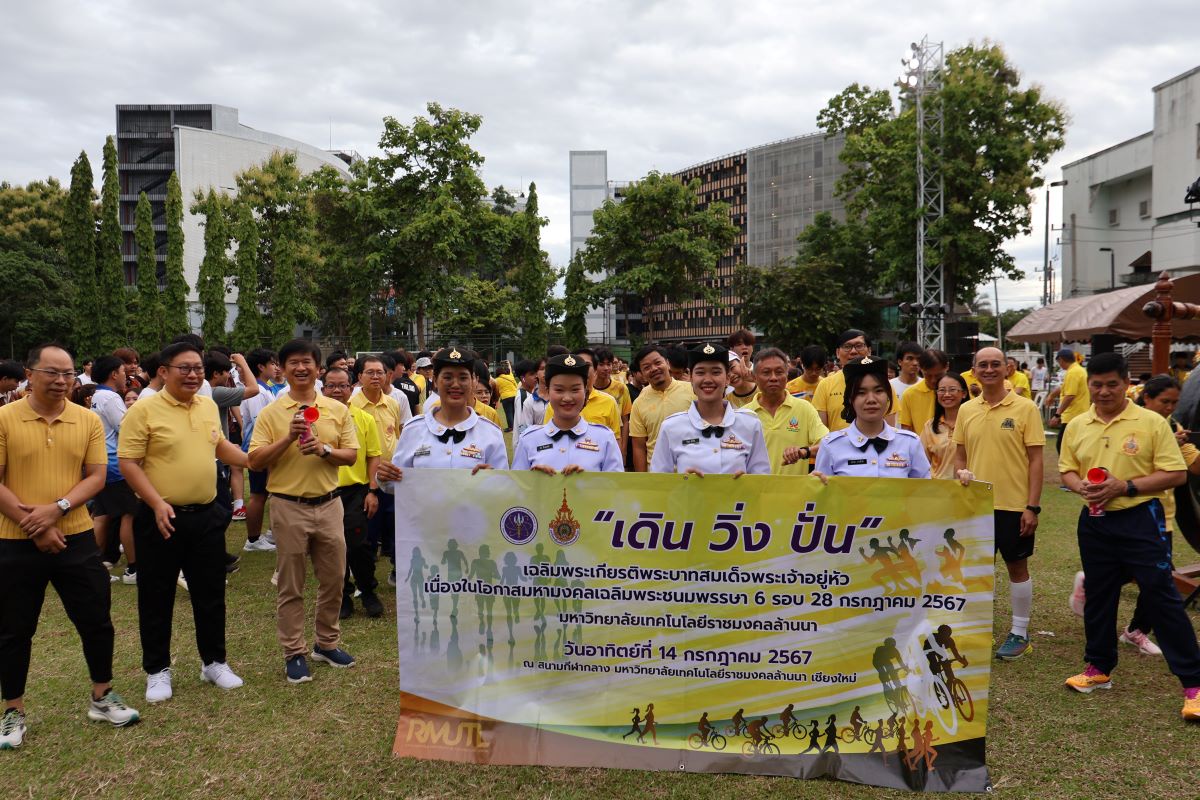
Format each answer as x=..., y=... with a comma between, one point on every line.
x=686, y=442
x=471, y=451
x=423, y=450
x=731, y=442
x=588, y=444
x=542, y=447
x=856, y=462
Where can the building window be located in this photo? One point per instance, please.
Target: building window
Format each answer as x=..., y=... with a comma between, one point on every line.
x=1144, y=209
x=1114, y=217
x=818, y=157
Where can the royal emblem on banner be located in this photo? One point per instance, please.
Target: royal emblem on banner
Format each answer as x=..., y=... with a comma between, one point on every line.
x=564, y=528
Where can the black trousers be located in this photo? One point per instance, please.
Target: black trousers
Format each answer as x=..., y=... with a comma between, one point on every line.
x=360, y=553
x=83, y=586
x=1133, y=544
x=381, y=528
x=510, y=408
x=197, y=548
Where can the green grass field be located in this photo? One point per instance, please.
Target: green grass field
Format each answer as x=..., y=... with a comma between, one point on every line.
x=332, y=737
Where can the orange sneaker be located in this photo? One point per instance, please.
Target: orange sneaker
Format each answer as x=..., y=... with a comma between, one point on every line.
x=1092, y=679
x=1191, y=703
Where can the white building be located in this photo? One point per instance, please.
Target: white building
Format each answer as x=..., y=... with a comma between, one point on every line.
x=1128, y=198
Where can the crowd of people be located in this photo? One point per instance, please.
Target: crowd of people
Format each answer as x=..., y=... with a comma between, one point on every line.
x=151, y=457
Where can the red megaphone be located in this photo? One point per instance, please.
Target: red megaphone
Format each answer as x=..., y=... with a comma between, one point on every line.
x=1096, y=475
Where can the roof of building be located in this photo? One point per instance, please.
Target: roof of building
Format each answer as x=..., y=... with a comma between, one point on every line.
x=1108, y=149
x=1178, y=77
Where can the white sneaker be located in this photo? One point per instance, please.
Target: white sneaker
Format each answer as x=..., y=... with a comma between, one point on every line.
x=129, y=578
x=158, y=686
x=182, y=581
x=275, y=578
x=12, y=729
x=1141, y=641
x=220, y=675
x=112, y=709
x=259, y=545
x=269, y=535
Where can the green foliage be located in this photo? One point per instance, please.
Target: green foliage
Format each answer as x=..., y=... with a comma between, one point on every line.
x=248, y=328
x=32, y=217
x=579, y=294
x=79, y=239
x=147, y=330
x=347, y=296
x=657, y=242
x=112, y=296
x=211, y=283
x=175, y=299
x=479, y=307
x=44, y=309
x=998, y=137
x=795, y=303
x=533, y=277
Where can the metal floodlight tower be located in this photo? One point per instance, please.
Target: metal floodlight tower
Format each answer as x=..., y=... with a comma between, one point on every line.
x=924, y=65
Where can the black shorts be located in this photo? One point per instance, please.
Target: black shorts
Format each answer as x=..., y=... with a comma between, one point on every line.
x=115, y=500
x=258, y=481
x=1011, y=545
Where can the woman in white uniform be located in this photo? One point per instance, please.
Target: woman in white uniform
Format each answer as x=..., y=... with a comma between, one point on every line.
x=712, y=435
x=870, y=448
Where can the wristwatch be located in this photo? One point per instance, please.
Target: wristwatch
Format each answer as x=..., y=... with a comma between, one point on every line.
x=325, y=451
x=64, y=505
x=805, y=453
x=1034, y=509
x=1130, y=489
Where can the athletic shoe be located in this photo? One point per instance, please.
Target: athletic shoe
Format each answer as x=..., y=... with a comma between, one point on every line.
x=259, y=545
x=337, y=657
x=182, y=582
x=220, y=675
x=1014, y=647
x=297, y=670
x=231, y=563
x=1141, y=641
x=129, y=577
x=111, y=708
x=108, y=564
x=269, y=535
x=158, y=686
x=1092, y=679
x=275, y=578
x=1077, y=595
x=239, y=514
x=347, y=606
x=1191, y=704
x=371, y=605
x=12, y=729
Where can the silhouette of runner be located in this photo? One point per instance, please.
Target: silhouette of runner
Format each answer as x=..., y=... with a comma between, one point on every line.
x=484, y=569
x=560, y=603
x=877, y=746
x=539, y=557
x=905, y=552
x=637, y=722
x=927, y=745
x=831, y=735
x=814, y=738
x=455, y=561
x=918, y=749
x=511, y=576
x=416, y=579
x=649, y=726
x=889, y=571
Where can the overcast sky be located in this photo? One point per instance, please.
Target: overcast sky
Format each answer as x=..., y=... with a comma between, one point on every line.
x=657, y=85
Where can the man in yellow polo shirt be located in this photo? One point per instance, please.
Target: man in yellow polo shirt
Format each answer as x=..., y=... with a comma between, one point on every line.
x=306, y=513
x=827, y=399
x=600, y=408
x=661, y=397
x=790, y=424
x=919, y=400
x=812, y=361
x=604, y=381
x=506, y=385
x=1122, y=528
x=167, y=452
x=389, y=417
x=1018, y=379
x=52, y=462
x=1073, y=397
x=1000, y=440
x=360, y=497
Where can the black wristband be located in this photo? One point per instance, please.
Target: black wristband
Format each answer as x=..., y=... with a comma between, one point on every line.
x=1034, y=509
x=1131, y=489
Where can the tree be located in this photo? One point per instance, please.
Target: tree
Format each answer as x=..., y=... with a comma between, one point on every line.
x=424, y=204
x=348, y=298
x=147, y=329
x=44, y=310
x=533, y=277
x=79, y=233
x=112, y=296
x=175, y=301
x=658, y=242
x=33, y=218
x=998, y=137
x=795, y=302
x=248, y=326
x=580, y=292
x=214, y=269
x=480, y=308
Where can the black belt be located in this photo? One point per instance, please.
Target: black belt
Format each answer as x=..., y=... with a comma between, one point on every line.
x=307, y=501
x=194, y=508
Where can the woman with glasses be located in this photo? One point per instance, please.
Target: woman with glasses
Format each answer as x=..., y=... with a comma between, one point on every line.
x=938, y=434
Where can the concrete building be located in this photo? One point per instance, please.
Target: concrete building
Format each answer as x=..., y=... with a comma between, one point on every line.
x=1129, y=198
x=773, y=191
x=206, y=146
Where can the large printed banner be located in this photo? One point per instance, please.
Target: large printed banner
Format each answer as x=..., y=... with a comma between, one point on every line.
x=766, y=625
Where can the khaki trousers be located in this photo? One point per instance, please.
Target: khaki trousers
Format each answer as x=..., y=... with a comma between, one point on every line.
x=303, y=531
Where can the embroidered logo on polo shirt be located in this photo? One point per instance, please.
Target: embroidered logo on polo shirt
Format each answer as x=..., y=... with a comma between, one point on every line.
x=1131, y=446
x=1008, y=424
x=793, y=424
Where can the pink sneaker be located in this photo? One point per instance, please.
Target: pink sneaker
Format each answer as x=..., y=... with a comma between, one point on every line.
x=1141, y=641
x=1077, y=595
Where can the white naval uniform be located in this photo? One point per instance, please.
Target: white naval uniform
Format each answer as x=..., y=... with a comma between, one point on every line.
x=419, y=446
x=682, y=445
x=587, y=445
x=842, y=454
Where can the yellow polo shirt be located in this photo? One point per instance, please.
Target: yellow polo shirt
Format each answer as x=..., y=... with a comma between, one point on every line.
x=293, y=472
x=798, y=385
x=507, y=386
x=42, y=462
x=1020, y=380
x=488, y=413
x=916, y=406
x=1136, y=443
x=653, y=406
x=1190, y=454
x=828, y=398
x=619, y=392
x=177, y=444
x=996, y=438
x=741, y=400
x=794, y=424
x=1074, y=385
x=600, y=409
x=368, y=447
x=386, y=414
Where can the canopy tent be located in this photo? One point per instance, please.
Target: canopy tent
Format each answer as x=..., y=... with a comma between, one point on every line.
x=1117, y=313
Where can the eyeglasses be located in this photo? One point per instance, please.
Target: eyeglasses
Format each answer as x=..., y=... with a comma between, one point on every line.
x=373, y=373
x=66, y=375
x=856, y=346
x=949, y=391
x=188, y=369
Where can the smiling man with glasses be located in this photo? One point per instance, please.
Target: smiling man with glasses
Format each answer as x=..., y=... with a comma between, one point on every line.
x=46, y=444
x=827, y=399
